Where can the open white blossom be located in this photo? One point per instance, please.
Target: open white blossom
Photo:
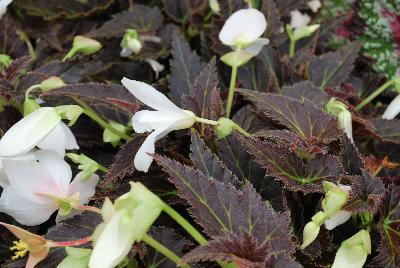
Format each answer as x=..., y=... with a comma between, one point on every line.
x=298, y=19
x=3, y=177
x=42, y=128
x=243, y=29
x=314, y=5
x=3, y=6
x=393, y=109
x=37, y=189
x=340, y=216
x=166, y=118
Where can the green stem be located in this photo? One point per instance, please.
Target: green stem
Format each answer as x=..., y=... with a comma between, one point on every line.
x=102, y=168
x=242, y=131
x=29, y=90
x=185, y=225
x=70, y=54
x=292, y=48
x=206, y=121
x=104, y=124
x=163, y=250
x=231, y=91
x=374, y=94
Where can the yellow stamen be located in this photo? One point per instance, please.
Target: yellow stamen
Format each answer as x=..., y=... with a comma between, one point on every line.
x=21, y=249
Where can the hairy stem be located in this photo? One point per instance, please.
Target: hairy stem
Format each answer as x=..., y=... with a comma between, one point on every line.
x=292, y=48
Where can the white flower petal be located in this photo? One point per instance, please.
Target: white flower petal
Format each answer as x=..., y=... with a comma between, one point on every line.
x=255, y=47
x=113, y=244
x=345, y=122
x=156, y=66
x=142, y=160
x=28, y=132
x=25, y=211
x=3, y=6
x=125, y=52
x=393, y=109
x=146, y=121
x=55, y=141
x=85, y=188
x=70, y=140
x=298, y=20
x=350, y=256
x=58, y=169
x=314, y=5
x=339, y=218
x=243, y=26
x=150, y=96
x=25, y=157
x=29, y=178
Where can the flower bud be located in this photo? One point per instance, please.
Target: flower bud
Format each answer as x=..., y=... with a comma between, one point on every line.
x=51, y=83
x=69, y=112
x=130, y=43
x=84, y=45
x=86, y=164
x=302, y=32
x=310, y=232
x=5, y=61
x=236, y=58
x=30, y=105
x=354, y=251
x=112, y=138
x=335, y=198
x=214, y=6
x=76, y=257
x=340, y=110
x=224, y=128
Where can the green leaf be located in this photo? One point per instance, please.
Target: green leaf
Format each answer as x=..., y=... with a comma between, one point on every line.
x=295, y=173
x=144, y=19
x=68, y=9
x=220, y=208
x=303, y=118
x=332, y=68
x=185, y=66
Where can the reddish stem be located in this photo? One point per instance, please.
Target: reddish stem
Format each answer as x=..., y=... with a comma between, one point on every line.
x=71, y=243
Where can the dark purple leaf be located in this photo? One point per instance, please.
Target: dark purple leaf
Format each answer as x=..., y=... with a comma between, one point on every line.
x=332, y=68
x=220, y=208
x=17, y=67
x=8, y=117
x=303, y=118
x=351, y=158
x=10, y=41
x=306, y=90
x=287, y=167
x=388, y=130
x=185, y=66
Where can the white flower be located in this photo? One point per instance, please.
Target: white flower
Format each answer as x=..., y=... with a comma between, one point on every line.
x=298, y=20
x=156, y=66
x=242, y=31
x=340, y=216
x=345, y=122
x=3, y=6
x=42, y=128
x=393, y=109
x=37, y=189
x=125, y=222
x=166, y=118
x=25, y=157
x=314, y=5
x=354, y=251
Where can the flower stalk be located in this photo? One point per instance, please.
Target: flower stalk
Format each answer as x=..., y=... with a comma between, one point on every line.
x=231, y=90
x=376, y=93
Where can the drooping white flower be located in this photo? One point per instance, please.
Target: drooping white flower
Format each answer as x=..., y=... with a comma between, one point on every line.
x=42, y=128
x=125, y=222
x=242, y=31
x=3, y=6
x=314, y=5
x=3, y=177
x=298, y=19
x=354, y=251
x=393, y=109
x=156, y=66
x=166, y=118
x=37, y=189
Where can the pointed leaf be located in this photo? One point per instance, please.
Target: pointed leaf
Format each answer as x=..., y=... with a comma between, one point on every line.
x=17, y=67
x=144, y=19
x=351, y=158
x=302, y=118
x=388, y=130
x=208, y=163
x=291, y=170
x=10, y=41
x=366, y=193
x=306, y=90
x=332, y=68
x=220, y=208
x=185, y=66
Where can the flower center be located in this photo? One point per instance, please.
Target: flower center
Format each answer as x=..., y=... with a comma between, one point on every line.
x=21, y=248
